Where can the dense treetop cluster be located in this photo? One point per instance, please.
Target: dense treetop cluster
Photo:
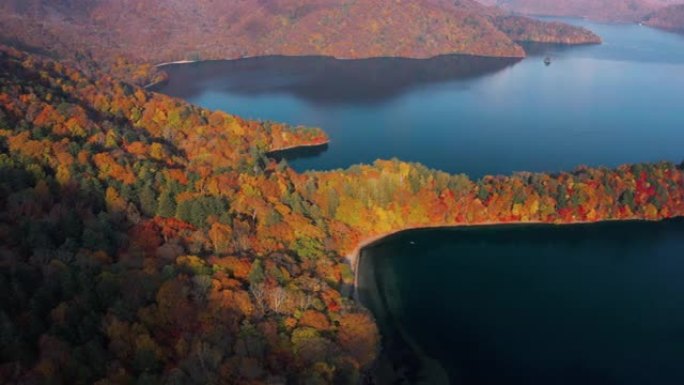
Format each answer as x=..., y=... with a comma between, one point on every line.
x=128, y=244
x=144, y=240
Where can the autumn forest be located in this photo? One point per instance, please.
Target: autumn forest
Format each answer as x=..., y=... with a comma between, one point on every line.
x=145, y=240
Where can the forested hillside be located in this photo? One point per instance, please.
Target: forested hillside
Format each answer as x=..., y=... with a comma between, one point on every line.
x=152, y=31
x=147, y=241
x=669, y=18
x=603, y=10
x=127, y=257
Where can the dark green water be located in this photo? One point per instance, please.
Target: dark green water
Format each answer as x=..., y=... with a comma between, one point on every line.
x=588, y=304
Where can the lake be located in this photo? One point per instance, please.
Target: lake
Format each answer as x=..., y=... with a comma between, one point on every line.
x=605, y=105
x=584, y=304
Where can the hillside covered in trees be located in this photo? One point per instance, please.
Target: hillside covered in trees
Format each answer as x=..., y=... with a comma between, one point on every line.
x=152, y=31
x=603, y=10
x=669, y=18
x=144, y=240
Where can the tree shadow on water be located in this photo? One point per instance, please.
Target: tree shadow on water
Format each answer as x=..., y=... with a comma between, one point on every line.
x=325, y=80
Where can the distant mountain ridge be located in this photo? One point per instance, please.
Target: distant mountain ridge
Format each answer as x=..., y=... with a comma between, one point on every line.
x=168, y=30
x=669, y=18
x=602, y=10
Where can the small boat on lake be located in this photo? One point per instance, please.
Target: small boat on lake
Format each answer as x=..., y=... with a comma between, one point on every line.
x=547, y=60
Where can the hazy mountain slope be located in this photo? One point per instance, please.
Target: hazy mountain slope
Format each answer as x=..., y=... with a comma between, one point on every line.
x=167, y=30
x=522, y=29
x=605, y=10
x=669, y=18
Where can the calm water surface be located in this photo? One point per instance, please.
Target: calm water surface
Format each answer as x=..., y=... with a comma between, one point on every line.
x=591, y=304
x=605, y=105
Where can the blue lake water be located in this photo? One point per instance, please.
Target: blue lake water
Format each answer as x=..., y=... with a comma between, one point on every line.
x=605, y=105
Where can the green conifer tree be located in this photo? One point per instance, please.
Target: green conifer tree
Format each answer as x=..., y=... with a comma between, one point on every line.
x=167, y=205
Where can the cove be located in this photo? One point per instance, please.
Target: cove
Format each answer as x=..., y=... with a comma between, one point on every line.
x=529, y=304
x=605, y=105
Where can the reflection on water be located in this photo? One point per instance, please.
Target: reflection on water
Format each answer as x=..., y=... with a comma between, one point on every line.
x=299, y=153
x=599, y=105
x=543, y=49
x=324, y=80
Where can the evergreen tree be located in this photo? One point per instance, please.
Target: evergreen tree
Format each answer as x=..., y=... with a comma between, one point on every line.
x=561, y=197
x=627, y=199
x=148, y=201
x=256, y=273
x=198, y=213
x=184, y=211
x=167, y=205
x=482, y=193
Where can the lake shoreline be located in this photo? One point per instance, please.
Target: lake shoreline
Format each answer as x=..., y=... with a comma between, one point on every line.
x=365, y=58
x=354, y=257
x=298, y=146
x=341, y=58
